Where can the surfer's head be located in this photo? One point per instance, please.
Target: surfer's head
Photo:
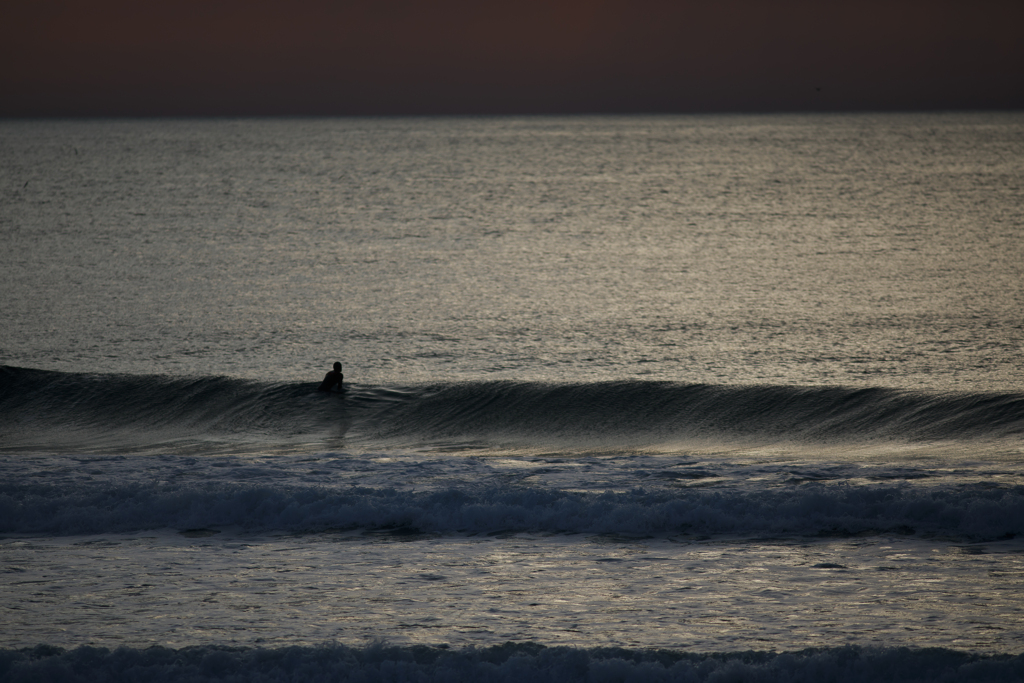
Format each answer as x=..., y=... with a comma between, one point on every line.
x=337, y=367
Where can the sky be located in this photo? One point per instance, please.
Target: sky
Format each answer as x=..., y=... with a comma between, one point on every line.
x=320, y=57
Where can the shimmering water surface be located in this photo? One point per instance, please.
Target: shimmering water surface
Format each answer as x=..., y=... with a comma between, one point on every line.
x=863, y=250
x=703, y=383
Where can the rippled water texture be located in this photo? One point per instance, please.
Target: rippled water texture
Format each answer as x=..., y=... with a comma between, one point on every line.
x=647, y=387
x=878, y=250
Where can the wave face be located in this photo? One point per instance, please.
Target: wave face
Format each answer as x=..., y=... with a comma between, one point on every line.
x=52, y=407
x=508, y=662
x=977, y=512
x=666, y=410
x=67, y=409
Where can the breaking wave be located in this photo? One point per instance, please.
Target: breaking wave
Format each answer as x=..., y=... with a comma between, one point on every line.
x=39, y=406
x=976, y=512
x=508, y=662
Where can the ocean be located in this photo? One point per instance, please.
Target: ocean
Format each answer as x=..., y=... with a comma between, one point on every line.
x=659, y=398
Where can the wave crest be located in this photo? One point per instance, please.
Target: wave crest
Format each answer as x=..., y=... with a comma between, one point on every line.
x=974, y=512
x=41, y=407
x=507, y=662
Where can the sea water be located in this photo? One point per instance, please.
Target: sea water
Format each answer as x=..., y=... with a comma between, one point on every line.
x=653, y=398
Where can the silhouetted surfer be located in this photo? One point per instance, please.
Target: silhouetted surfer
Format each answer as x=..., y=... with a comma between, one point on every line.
x=334, y=377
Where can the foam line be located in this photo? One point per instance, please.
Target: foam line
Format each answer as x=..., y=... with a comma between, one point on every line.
x=973, y=512
x=508, y=662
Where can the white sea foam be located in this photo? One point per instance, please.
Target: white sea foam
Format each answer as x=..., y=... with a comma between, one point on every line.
x=511, y=662
x=756, y=329
x=980, y=512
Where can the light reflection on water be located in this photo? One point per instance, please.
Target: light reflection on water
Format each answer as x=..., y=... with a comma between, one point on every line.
x=679, y=593
x=866, y=250
x=434, y=256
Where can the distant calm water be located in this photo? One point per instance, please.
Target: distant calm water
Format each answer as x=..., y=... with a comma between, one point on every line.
x=723, y=384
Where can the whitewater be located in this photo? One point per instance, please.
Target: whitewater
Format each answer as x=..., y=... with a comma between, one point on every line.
x=627, y=398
